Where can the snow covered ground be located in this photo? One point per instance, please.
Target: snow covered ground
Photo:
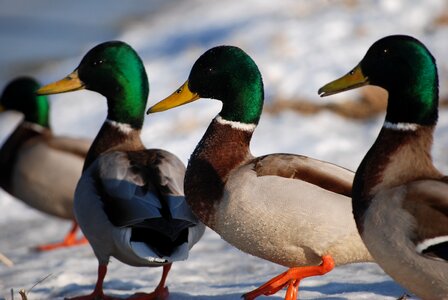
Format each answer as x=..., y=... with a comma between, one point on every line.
x=298, y=46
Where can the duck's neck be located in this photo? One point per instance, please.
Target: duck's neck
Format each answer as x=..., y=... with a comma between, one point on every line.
x=401, y=153
x=36, y=127
x=419, y=106
x=38, y=112
x=114, y=136
x=245, y=105
x=224, y=147
x=127, y=106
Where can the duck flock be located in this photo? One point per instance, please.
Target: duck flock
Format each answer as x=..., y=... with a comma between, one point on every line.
x=302, y=216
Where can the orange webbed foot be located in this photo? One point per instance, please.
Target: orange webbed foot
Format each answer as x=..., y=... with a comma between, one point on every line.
x=94, y=296
x=158, y=294
x=63, y=244
x=70, y=240
x=97, y=293
x=291, y=279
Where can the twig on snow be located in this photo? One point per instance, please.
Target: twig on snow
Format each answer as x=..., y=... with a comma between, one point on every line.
x=6, y=261
x=24, y=294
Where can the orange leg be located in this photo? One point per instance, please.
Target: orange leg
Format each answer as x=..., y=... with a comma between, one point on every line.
x=293, y=287
x=98, y=291
x=161, y=291
x=291, y=278
x=69, y=240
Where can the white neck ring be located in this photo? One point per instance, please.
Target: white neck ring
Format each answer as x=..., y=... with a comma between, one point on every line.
x=122, y=127
x=236, y=125
x=401, y=126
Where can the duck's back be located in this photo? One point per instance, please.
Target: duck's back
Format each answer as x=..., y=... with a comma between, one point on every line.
x=136, y=199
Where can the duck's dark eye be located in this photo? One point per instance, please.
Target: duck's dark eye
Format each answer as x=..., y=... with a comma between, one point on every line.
x=352, y=72
x=385, y=51
x=179, y=91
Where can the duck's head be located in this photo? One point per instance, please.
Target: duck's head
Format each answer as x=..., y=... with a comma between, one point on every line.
x=114, y=70
x=20, y=95
x=227, y=74
x=406, y=69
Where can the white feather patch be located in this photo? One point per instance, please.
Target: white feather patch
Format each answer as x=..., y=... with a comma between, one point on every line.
x=401, y=126
x=425, y=244
x=236, y=125
x=123, y=127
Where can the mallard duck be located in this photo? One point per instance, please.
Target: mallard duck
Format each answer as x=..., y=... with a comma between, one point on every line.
x=400, y=200
x=37, y=167
x=129, y=201
x=289, y=209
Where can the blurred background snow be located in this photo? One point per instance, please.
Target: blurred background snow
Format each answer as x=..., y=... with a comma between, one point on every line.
x=299, y=45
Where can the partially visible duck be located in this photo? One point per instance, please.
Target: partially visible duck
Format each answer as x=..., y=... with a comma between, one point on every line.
x=129, y=201
x=400, y=199
x=289, y=209
x=36, y=166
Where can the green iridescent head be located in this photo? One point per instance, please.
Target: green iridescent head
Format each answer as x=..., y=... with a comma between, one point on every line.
x=227, y=74
x=114, y=70
x=20, y=95
x=406, y=69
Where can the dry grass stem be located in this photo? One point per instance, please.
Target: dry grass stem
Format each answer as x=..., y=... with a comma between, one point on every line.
x=6, y=261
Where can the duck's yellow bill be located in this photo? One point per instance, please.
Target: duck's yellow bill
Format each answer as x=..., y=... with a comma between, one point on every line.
x=67, y=84
x=181, y=96
x=355, y=78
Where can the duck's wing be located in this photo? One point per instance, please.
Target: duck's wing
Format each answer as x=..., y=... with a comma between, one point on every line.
x=76, y=146
x=38, y=174
x=325, y=175
x=144, y=189
x=427, y=202
x=10, y=150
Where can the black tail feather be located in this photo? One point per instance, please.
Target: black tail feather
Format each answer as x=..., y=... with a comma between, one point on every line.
x=161, y=235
